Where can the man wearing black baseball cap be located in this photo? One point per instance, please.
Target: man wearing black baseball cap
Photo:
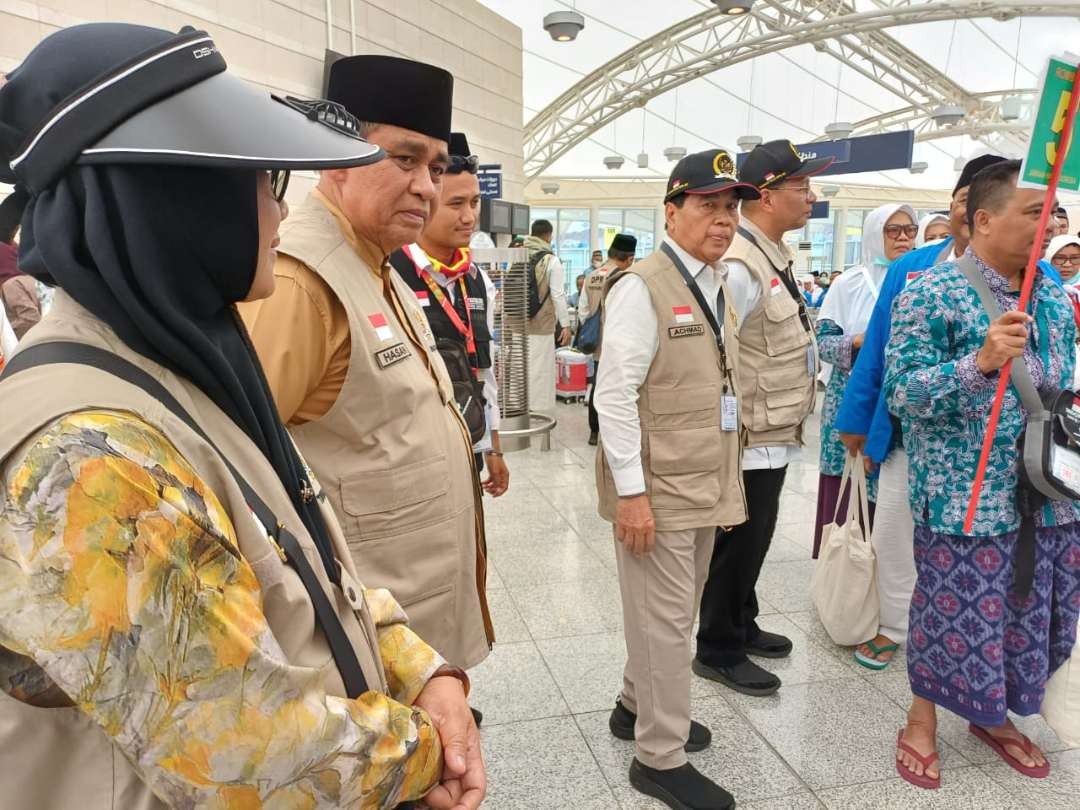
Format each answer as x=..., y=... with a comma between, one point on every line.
x=668, y=463
x=777, y=368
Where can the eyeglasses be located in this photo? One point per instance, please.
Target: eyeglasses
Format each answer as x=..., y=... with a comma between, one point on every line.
x=894, y=231
x=329, y=113
x=1063, y=260
x=805, y=191
x=279, y=183
x=461, y=163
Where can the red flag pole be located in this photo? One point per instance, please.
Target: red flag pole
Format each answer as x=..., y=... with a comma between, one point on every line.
x=1064, y=142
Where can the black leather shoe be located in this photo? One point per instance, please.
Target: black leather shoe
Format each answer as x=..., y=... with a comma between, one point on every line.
x=682, y=788
x=477, y=716
x=593, y=438
x=622, y=722
x=770, y=645
x=745, y=677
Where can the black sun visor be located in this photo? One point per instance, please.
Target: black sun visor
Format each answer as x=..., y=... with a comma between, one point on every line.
x=177, y=105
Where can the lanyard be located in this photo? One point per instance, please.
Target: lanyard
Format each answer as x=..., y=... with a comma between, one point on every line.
x=464, y=329
x=785, y=276
x=695, y=290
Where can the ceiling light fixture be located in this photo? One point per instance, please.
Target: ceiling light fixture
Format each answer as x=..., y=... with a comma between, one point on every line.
x=564, y=26
x=830, y=191
x=549, y=188
x=614, y=162
x=918, y=167
x=946, y=114
x=674, y=153
x=839, y=130
x=748, y=142
x=733, y=8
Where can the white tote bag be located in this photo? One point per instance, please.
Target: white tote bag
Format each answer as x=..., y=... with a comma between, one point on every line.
x=844, y=584
x=1061, y=705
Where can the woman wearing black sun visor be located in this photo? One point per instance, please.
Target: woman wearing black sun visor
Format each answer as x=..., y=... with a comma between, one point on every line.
x=180, y=621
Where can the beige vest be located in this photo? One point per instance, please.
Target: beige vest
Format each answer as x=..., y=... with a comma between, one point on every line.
x=692, y=468
x=595, y=283
x=393, y=454
x=58, y=759
x=543, y=323
x=777, y=385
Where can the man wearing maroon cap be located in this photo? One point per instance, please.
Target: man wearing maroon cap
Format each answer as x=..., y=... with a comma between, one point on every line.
x=668, y=463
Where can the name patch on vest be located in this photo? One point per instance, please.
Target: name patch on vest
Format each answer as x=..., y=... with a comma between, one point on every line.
x=393, y=354
x=475, y=303
x=690, y=330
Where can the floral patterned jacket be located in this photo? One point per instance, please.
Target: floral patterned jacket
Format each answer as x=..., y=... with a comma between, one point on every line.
x=932, y=383
x=122, y=592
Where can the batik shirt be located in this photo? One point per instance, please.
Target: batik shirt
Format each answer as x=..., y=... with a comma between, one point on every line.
x=933, y=384
x=123, y=592
x=839, y=349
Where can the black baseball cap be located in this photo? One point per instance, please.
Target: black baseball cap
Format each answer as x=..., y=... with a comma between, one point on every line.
x=773, y=162
x=707, y=173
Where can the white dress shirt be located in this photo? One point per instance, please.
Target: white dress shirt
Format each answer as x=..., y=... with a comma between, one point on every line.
x=745, y=292
x=631, y=339
x=557, y=284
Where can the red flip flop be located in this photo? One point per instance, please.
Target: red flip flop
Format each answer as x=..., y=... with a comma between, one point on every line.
x=924, y=781
x=1034, y=771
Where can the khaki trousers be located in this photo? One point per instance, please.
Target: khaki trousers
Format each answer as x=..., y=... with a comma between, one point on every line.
x=660, y=595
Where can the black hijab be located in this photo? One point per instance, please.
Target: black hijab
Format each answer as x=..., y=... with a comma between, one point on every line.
x=160, y=254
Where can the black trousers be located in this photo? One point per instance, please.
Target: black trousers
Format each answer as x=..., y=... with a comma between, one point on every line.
x=594, y=417
x=729, y=606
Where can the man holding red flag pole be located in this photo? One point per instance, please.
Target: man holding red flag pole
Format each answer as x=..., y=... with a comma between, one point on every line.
x=995, y=606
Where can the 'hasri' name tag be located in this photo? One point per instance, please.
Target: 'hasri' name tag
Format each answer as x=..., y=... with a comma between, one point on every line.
x=690, y=330
x=394, y=354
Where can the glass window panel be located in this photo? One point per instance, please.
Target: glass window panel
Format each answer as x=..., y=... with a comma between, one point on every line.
x=572, y=243
x=641, y=224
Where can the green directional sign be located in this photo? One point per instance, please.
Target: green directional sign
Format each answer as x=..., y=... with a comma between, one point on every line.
x=1046, y=131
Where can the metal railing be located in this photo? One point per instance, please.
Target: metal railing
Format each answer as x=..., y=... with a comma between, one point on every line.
x=508, y=269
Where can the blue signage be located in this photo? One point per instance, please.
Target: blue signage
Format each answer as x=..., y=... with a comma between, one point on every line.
x=820, y=210
x=490, y=177
x=870, y=153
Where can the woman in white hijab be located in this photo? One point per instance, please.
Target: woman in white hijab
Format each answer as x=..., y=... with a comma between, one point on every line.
x=1064, y=254
x=932, y=228
x=888, y=232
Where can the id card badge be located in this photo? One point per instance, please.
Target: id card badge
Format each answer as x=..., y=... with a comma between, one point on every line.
x=729, y=413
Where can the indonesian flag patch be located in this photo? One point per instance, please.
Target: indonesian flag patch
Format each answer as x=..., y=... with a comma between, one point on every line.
x=381, y=327
x=423, y=298
x=914, y=274
x=682, y=314
x=774, y=287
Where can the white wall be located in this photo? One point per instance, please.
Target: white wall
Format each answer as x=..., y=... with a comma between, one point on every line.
x=281, y=46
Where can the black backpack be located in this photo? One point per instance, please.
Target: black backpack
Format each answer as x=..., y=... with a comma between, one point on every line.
x=535, y=302
x=468, y=391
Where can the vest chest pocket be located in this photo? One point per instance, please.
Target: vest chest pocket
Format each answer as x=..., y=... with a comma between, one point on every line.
x=390, y=500
x=784, y=400
x=675, y=408
x=784, y=331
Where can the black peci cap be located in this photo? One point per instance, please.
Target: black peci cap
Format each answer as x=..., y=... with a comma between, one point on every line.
x=707, y=173
x=973, y=167
x=773, y=162
x=459, y=145
x=624, y=243
x=399, y=92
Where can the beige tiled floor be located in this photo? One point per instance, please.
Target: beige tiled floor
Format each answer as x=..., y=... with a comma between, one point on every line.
x=824, y=741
